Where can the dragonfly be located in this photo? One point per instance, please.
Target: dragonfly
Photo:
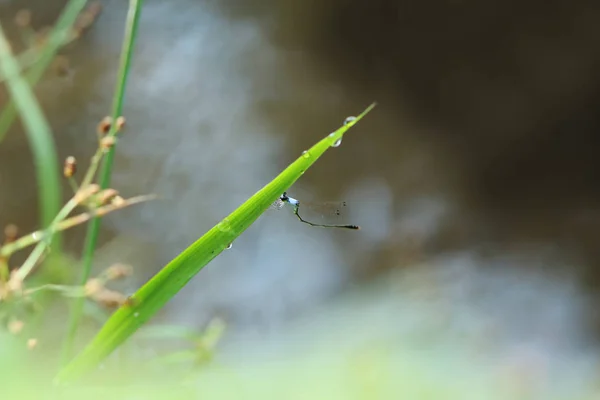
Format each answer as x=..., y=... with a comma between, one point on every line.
x=331, y=208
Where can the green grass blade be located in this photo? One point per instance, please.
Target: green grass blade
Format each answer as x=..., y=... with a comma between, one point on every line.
x=38, y=132
x=131, y=28
x=57, y=38
x=152, y=296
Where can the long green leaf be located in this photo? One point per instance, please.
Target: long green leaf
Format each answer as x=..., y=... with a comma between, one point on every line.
x=91, y=239
x=38, y=132
x=152, y=296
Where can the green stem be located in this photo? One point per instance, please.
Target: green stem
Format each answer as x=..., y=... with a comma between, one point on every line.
x=37, y=252
x=91, y=172
x=133, y=16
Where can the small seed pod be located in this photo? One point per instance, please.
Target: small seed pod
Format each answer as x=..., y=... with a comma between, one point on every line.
x=118, y=201
x=91, y=189
x=86, y=192
x=104, y=126
x=120, y=123
x=107, y=195
x=70, y=167
x=10, y=233
x=32, y=343
x=61, y=66
x=75, y=33
x=107, y=142
x=95, y=8
x=15, y=326
x=118, y=271
x=93, y=287
x=23, y=18
x=85, y=20
x=41, y=36
x=110, y=298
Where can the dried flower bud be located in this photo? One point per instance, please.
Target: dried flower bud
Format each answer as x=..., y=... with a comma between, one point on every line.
x=120, y=123
x=32, y=343
x=23, y=18
x=75, y=33
x=107, y=142
x=93, y=287
x=95, y=8
x=118, y=201
x=118, y=271
x=110, y=298
x=104, y=126
x=70, y=167
x=61, y=66
x=106, y=195
x=84, y=21
x=42, y=36
x=85, y=193
x=10, y=233
x=15, y=326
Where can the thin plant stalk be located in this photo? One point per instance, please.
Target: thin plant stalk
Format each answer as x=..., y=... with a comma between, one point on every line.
x=34, y=237
x=39, y=249
x=131, y=27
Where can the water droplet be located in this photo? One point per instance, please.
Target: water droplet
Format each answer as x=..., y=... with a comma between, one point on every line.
x=305, y=154
x=136, y=314
x=348, y=120
x=337, y=143
x=332, y=134
x=225, y=225
x=230, y=245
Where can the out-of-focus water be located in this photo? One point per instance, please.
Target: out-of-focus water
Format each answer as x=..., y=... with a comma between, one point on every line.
x=220, y=99
x=206, y=91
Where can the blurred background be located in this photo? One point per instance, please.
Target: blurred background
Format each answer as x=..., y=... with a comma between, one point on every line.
x=475, y=180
